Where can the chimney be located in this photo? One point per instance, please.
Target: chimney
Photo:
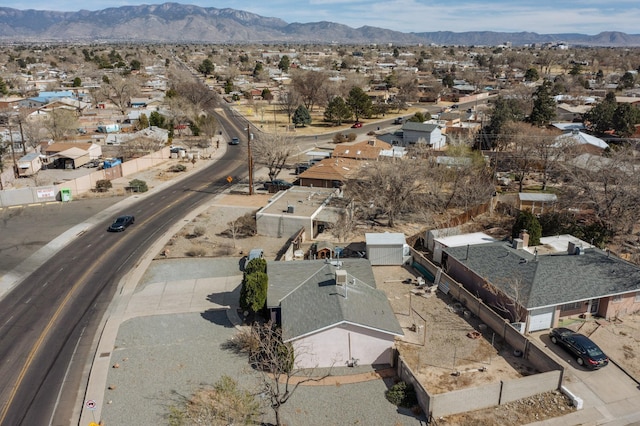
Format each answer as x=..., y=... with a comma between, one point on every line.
x=341, y=277
x=524, y=236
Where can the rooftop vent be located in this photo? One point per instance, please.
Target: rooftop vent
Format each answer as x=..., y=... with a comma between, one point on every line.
x=341, y=277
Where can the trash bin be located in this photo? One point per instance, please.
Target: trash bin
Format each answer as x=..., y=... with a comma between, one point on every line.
x=65, y=195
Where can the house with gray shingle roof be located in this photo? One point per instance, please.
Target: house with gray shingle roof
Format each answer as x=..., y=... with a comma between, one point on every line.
x=427, y=133
x=332, y=312
x=562, y=278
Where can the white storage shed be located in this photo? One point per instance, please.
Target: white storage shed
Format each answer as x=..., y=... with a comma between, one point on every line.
x=386, y=248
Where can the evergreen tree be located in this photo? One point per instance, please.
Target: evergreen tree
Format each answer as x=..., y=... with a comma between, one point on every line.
x=504, y=111
x=531, y=74
x=4, y=90
x=156, y=119
x=544, y=106
x=359, y=102
x=625, y=117
x=337, y=111
x=600, y=117
x=77, y=82
x=529, y=221
x=284, y=63
x=206, y=67
x=301, y=116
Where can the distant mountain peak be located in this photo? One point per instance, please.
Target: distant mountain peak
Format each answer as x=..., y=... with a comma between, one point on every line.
x=176, y=22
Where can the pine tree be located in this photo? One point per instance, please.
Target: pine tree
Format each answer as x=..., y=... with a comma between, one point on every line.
x=544, y=106
x=301, y=116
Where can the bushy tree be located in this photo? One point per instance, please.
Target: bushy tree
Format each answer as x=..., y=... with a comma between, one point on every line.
x=600, y=117
x=625, y=118
x=77, y=82
x=359, y=102
x=627, y=80
x=284, y=63
x=504, y=111
x=156, y=119
x=301, y=116
x=531, y=74
x=253, y=293
x=527, y=220
x=138, y=185
x=337, y=111
x=206, y=67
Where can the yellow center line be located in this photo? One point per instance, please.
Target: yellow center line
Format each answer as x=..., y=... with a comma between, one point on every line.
x=65, y=301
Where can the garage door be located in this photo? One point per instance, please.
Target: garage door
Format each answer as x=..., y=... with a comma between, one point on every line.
x=541, y=319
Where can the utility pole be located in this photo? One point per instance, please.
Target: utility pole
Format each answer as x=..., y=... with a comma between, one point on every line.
x=250, y=158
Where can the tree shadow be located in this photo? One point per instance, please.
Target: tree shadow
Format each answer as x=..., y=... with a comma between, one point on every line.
x=217, y=316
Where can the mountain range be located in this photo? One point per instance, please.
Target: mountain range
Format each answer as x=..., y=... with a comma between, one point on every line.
x=179, y=23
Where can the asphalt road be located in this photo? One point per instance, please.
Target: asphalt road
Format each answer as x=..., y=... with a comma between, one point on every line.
x=49, y=321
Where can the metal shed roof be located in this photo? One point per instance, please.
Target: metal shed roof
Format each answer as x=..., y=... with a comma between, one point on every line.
x=385, y=238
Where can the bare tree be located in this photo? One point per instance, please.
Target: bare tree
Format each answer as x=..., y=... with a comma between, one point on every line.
x=273, y=150
x=60, y=123
x=308, y=84
x=508, y=297
x=288, y=101
x=388, y=188
x=521, y=145
x=119, y=91
x=608, y=187
x=275, y=360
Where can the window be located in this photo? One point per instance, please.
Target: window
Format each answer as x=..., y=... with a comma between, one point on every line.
x=617, y=298
x=571, y=306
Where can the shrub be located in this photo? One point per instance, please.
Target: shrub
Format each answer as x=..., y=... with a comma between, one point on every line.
x=253, y=294
x=103, y=185
x=196, y=251
x=351, y=137
x=339, y=138
x=199, y=231
x=176, y=168
x=138, y=185
x=402, y=395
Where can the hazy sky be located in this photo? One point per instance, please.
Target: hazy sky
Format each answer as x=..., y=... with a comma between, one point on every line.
x=542, y=16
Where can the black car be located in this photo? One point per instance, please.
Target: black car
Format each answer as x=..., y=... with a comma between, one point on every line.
x=277, y=185
x=587, y=353
x=121, y=223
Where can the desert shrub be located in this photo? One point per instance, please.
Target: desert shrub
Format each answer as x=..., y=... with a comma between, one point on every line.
x=402, y=395
x=242, y=227
x=196, y=251
x=177, y=168
x=199, y=231
x=103, y=185
x=351, y=137
x=138, y=185
x=339, y=138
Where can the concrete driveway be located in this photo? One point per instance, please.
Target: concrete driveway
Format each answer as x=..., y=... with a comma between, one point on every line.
x=609, y=395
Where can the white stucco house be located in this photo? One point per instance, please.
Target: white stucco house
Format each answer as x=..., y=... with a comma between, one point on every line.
x=427, y=133
x=332, y=312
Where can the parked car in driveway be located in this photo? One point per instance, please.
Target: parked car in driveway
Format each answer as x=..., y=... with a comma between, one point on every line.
x=121, y=223
x=587, y=353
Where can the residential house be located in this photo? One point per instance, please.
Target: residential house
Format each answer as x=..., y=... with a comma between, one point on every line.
x=577, y=141
x=297, y=208
x=367, y=150
x=429, y=134
x=332, y=312
x=538, y=286
x=330, y=172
